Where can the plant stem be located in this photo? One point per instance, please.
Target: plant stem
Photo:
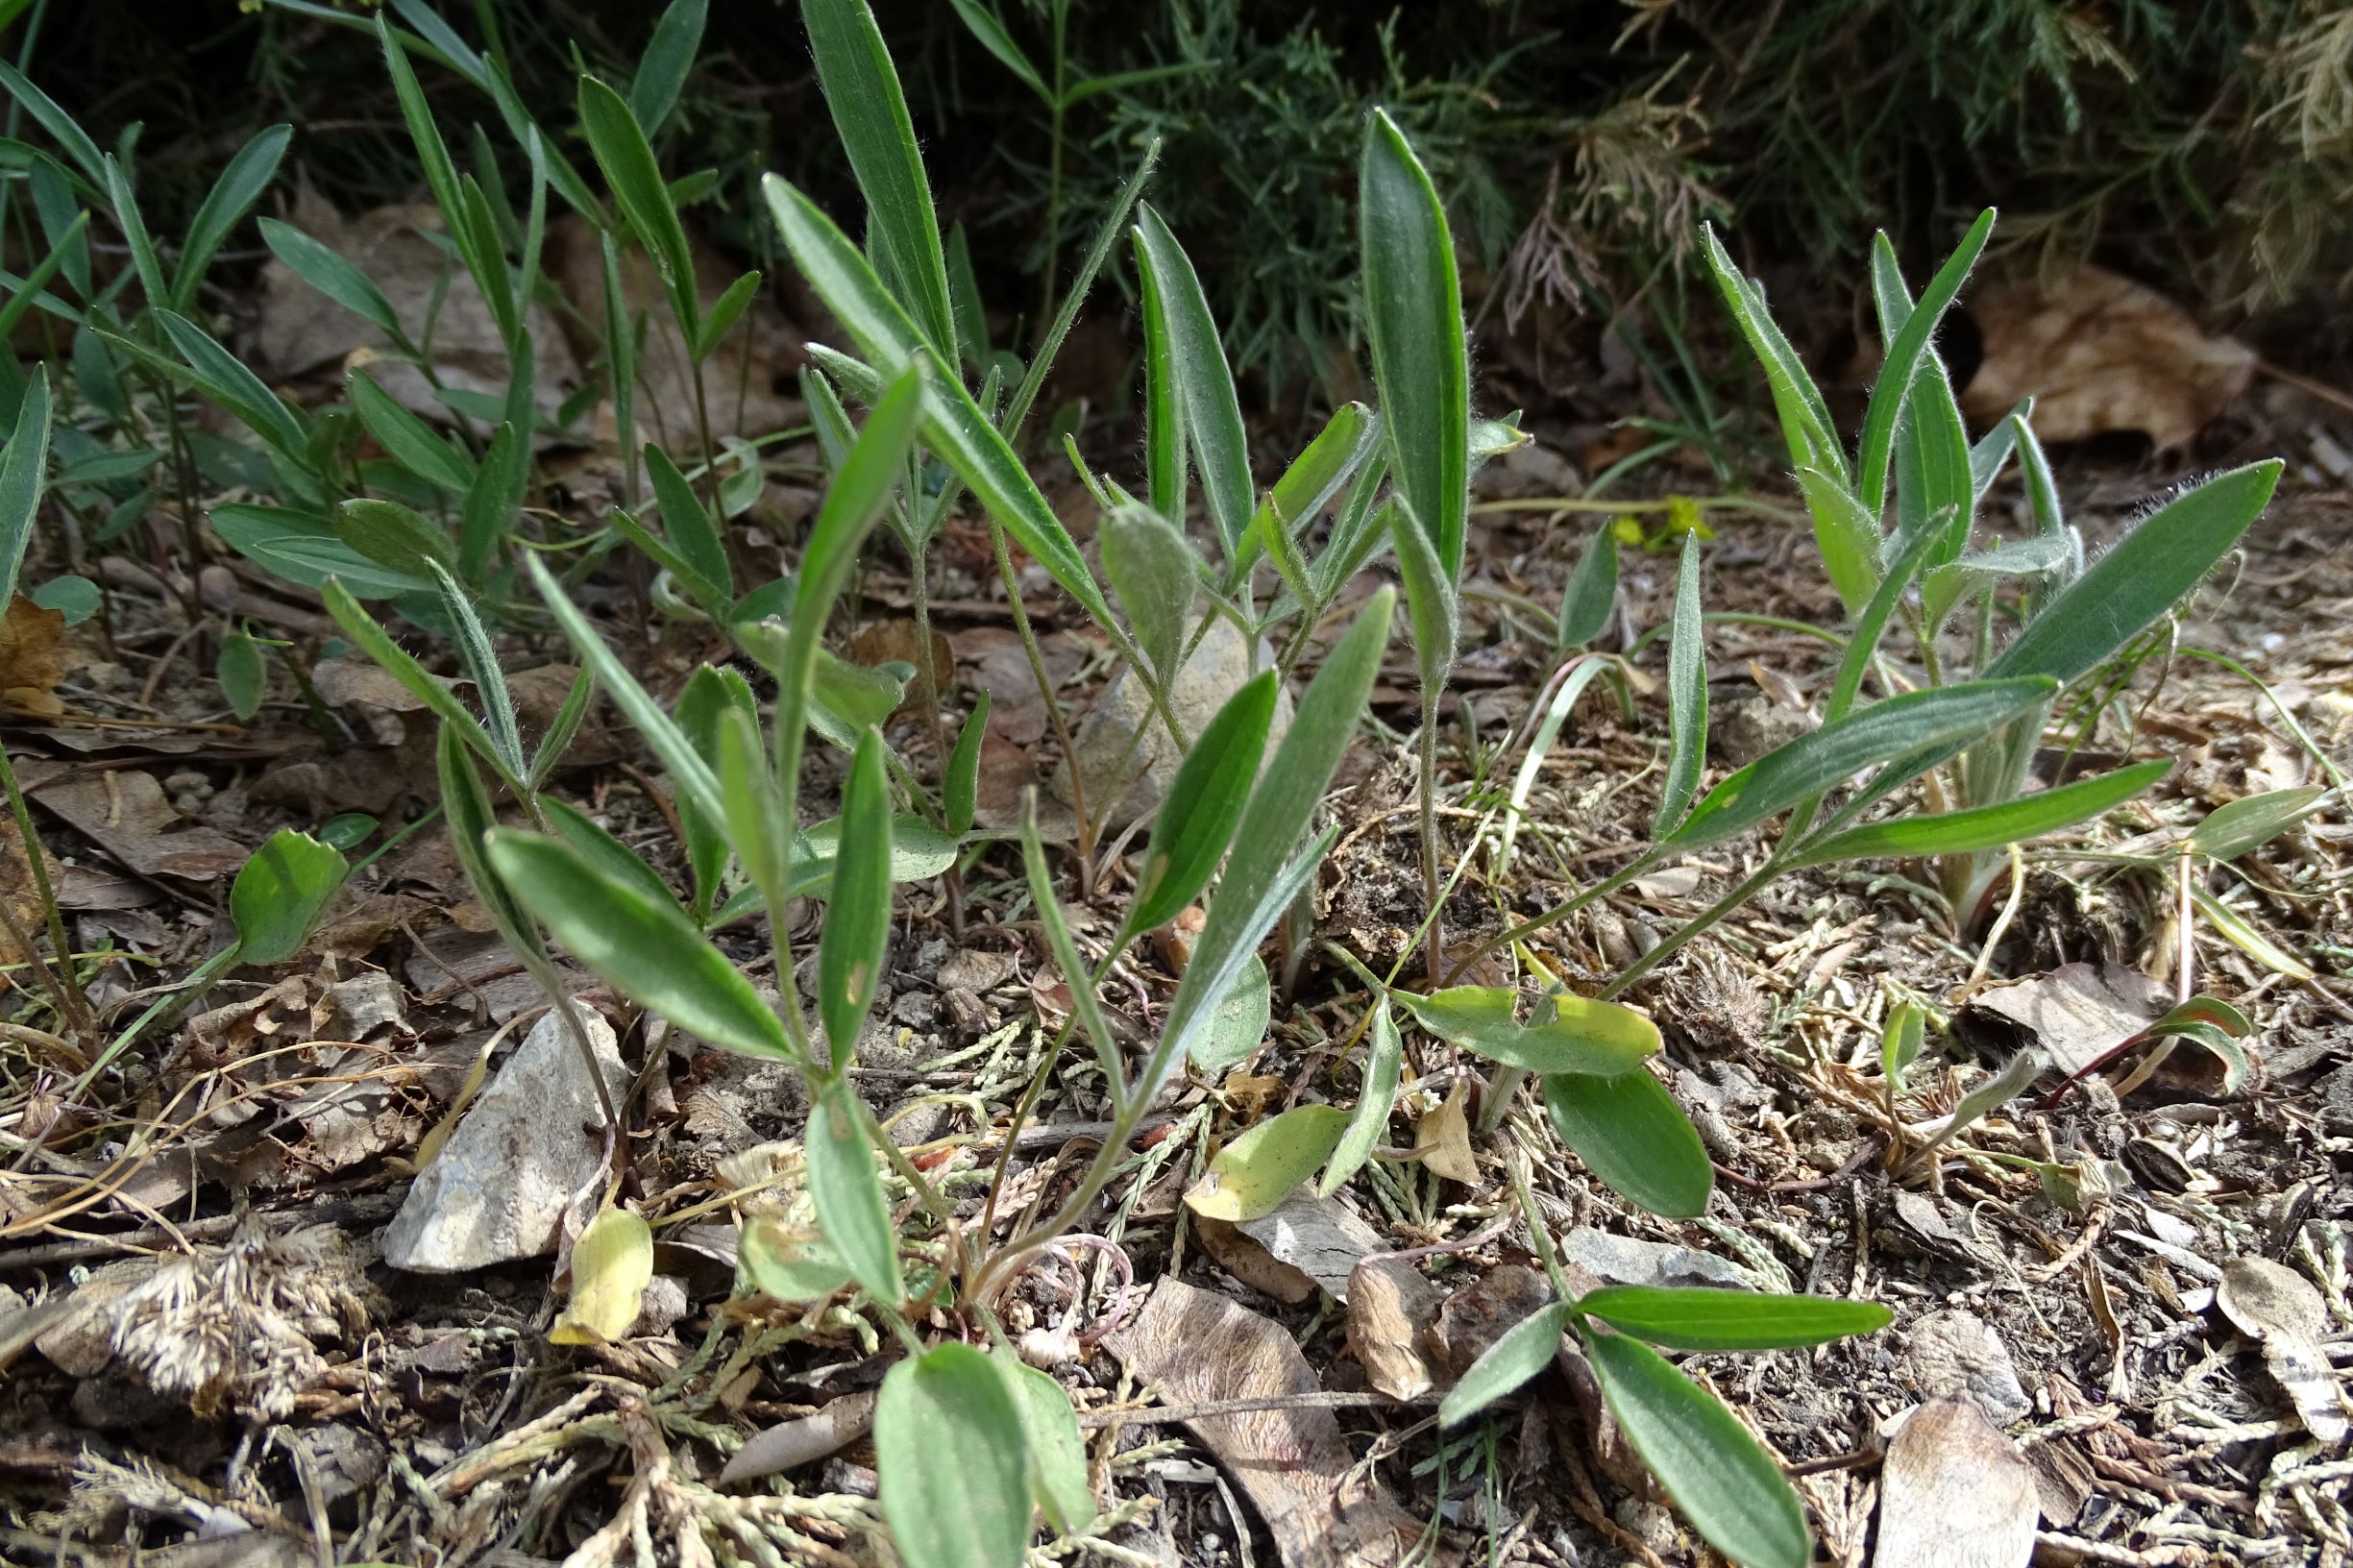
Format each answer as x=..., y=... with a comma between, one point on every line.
x=1045, y=687
x=1429, y=836
x=927, y=693
x=1698, y=923
x=77, y=1010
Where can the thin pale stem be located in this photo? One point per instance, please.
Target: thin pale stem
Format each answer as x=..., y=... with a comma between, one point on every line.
x=1430, y=894
x=1046, y=688
x=1692, y=927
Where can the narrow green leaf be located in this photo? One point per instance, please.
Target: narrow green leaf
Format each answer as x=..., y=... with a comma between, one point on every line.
x=1817, y=761
x=394, y=537
x=1592, y=592
x=279, y=894
x=225, y=205
x=622, y=151
x=1872, y=623
x=1166, y=464
x=1686, y=696
x=1699, y=1318
x=2142, y=577
x=1581, y=1036
x=240, y=671
x=1908, y=346
x=754, y=807
x=988, y=28
x=2236, y=929
x=688, y=523
x=1993, y=450
x=492, y=501
x=1935, y=484
x=1384, y=1065
x=1261, y=879
x=2232, y=830
x=662, y=69
x=569, y=716
x=710, y=693
x=1985, y=828
x=848, y=1191
x=960, y=780
x=1413, y=316
x=411, y=442
x=1805, y=419
x=1723, y=1482
x=467, y=804
x=963, y=294
x=1431, y=602
x=1629, y=1132
x=305, y=549
x=397, y=661
x=224, y=378
x=689, y=774
x=1847, y=536
x=61, y=127
x=1900, y=1040
x=644, y=946
x=480, y=663
x=607, y=853
x=857, y=929
x=952, y=1462
x=953, y=422
x=1203, y=806
x=870, y=114
x=145, y=262
x=24, y=473
x=1341, y=449
x=1523, y=1352
x=1212, y=413
x=1152, y=565
x=1251, y=1176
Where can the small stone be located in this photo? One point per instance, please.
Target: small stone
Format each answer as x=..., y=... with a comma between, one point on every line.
x=1626, y=1259
x=1218, y=669
x=188, y=781
x=663, y=1303
x=1745, y=727
x=501, y=1187
x=1954, y=1355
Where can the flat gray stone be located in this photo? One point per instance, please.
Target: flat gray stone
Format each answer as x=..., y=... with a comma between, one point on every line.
x=1626, y=1259
x=498, y=1191
x=1215, y=671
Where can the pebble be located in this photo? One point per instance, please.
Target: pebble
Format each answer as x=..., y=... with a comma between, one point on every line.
x=1955, y=1354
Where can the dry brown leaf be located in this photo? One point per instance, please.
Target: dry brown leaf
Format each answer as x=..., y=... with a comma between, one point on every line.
x=1322, y=1509
x=791, y=1444
x=2100, y=352
x=1248, y=1261
x=1391, y=1309
x=1955, y=1494
x=1442, y=1139
x=2281, y=1310
x=123, y=812
x=1322, y=1236
x=1485, y=1310
x=2076, y=1013
x=884, y=642
x=32, y=657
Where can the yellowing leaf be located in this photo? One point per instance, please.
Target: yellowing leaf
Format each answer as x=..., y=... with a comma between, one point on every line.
x=1252, y=1174
x=612, y=1264
x=1442, y=1140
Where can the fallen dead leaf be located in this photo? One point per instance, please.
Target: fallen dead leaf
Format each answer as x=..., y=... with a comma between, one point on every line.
x=1485, y=1310
x=1248, y=1261
x=791, y=1444
x=2098, y=352
x=32, y=657
x=1442, y=1139
x=1323, y=1509
x=2074, y=1013
x=1955, y=1493
x=1392, y=1310
x=2281, y=1310
x=123, y=812
x=1321, y=1237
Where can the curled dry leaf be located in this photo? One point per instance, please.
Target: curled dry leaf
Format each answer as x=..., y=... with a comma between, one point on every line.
x=1955, y=1494
x=1392, y=1310
x=1442, y=1139
x=2281, y=1310
x=2098, y=352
